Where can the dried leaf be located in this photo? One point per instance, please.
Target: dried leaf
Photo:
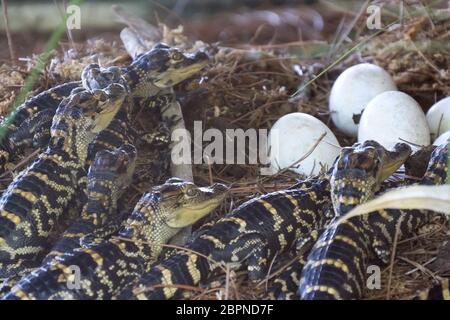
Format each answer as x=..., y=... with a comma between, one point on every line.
x=434, y=198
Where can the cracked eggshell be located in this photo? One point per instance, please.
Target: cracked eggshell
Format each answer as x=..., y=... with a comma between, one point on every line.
x=442, y=139
x=391, y=117
x=352, y=91
x=293, y=136
x=438, y=117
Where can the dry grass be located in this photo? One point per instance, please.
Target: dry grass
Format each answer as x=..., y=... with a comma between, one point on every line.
x=251, y=87
x=245, y=89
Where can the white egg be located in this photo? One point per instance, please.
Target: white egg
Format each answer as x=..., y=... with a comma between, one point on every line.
x=442, y=139
x=352, y=91
x=438, y=117
x=393, y=117
x=293, y=136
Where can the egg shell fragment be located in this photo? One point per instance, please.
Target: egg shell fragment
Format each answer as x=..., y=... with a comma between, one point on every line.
x=438, y=117
x=442, y=139
x=352, y=91
x=393, y=117
x=293, y=136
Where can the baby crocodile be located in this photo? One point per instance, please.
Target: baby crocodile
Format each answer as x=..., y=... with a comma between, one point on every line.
x=33, y=202
x=336, y=267
x=106, y=267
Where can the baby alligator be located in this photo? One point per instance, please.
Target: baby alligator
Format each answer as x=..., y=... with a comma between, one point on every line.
x=108, y=176
x=148, y=75
x=356, y=176
x=336, y=267
x=251, y=234
x=33, y=202
x=106, y=267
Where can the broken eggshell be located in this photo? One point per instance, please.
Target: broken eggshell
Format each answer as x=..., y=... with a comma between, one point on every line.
x=294, y=136
x=352, y=91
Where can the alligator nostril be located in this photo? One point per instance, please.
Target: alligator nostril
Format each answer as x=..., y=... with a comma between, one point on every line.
x=402, y=147
x=220, y=187
x=201, y=55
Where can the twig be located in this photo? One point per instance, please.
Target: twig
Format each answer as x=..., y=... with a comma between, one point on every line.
x=339, y=40
x=12, y=53
x=417, y=268
x=341, y=58
x=394, y=249
x=420, y=236
x=427, y=61
x=211, y=181
x=279, y=271
x=21, y=163
x=227, y=283
x=266, y=280
x=306, y=155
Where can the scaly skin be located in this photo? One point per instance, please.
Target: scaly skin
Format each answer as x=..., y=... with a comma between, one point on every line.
x=20, y=133
x=254, y=232
x=337, y=264
x=356, y=174
x=108, y=176
x=33, y=202
x=438, y=170
x=250, y=235
x=439, y=291
x=148, y=75
x=108, y=266
x=285, y=285
x=360, y=170
x=34, y=117
x=150, y=78
x=121, y=131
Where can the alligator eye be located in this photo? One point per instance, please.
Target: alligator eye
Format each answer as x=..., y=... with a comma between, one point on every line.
x=372, y=153
x=176, y=56
x=191, y=192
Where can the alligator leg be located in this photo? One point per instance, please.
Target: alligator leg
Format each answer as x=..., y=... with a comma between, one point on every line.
x=440, y=291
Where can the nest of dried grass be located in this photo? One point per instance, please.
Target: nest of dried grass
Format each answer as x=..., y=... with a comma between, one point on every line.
x=251, y=87
x=416, y=55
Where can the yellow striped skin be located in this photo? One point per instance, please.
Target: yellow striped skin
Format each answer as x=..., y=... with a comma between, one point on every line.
x=356, y=174
x=440, y=291
x=250, y=236
x=256, y=231
x=148, y=75
x=25, y=125
x=336, y=268
x=107, y=266
x=359, y=171
x=32, y=204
